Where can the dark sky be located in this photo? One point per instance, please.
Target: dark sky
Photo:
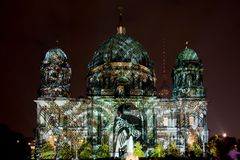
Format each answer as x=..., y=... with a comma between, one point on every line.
x=29, y=28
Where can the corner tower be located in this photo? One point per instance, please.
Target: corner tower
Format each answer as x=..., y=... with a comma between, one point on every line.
x=187, y=75
x=55, y=75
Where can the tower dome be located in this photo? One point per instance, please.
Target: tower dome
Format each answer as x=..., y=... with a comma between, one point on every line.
x=187, y=54
x=55, y=55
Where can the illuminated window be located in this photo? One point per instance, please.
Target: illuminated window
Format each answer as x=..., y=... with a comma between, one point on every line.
x=191, y=121
x=165, y=121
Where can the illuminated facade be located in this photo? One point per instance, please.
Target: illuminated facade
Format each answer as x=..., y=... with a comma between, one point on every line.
x=122, y=100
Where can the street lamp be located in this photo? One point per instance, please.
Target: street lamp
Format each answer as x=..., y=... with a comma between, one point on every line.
x=224, y=135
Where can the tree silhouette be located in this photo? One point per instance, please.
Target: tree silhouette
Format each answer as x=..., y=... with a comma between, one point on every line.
x=65, y=151
x=103, y=151
x=196, y=150
x=85, y=151
x=173, y=151
x=47, y=151
x=158, y=152
x=138, y=150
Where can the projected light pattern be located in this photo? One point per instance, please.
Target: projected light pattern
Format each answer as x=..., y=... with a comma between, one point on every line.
x=187, y=76
x=121, y=67
x=55, y=75
x=121, y=102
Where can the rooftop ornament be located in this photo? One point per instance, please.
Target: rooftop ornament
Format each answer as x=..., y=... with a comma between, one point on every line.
x=120, y=27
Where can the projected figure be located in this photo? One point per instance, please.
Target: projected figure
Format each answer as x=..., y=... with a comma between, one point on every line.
x=125, y=125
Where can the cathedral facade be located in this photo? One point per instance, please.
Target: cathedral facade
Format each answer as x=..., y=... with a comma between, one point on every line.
x=122, y=100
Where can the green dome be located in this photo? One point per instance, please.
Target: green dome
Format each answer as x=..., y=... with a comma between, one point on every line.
x=120, y=48
x=187, y=55
x=55, y=55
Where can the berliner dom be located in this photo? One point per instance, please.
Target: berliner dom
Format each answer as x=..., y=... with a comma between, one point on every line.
x=122, y=101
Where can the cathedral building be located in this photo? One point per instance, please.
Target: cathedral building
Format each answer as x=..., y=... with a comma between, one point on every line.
x=122, y=100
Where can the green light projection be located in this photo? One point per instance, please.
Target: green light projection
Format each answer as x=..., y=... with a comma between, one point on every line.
x=121, y=101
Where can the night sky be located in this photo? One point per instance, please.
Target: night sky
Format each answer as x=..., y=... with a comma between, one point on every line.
x=28, y=28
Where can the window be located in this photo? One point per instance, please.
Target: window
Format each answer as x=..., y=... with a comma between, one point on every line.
x=165, y=121
x=191, y=121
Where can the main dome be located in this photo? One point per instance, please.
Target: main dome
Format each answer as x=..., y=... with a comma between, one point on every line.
x=120, y=48
x=121, y=67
